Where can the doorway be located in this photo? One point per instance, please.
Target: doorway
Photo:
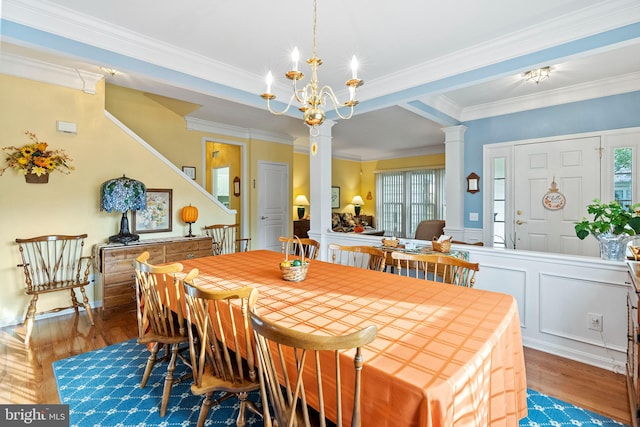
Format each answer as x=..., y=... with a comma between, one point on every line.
x=521, y=176
x=224, y=162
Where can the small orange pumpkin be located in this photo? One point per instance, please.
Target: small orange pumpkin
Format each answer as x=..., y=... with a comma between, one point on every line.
x=189, y=214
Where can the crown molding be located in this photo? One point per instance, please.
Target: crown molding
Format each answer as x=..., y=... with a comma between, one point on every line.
x=581, y=92
x=68, y=23
x=577, y=25
x=83, y=28
x=194, y=123
x=49, y=73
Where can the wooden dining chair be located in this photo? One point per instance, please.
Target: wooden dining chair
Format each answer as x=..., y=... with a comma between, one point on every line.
x=158, y=325
x=310, y=247
x=225, y=238
x=54, y=263
x=295, y=365
x=439, y=268
x=223, y=360
x=366, y=257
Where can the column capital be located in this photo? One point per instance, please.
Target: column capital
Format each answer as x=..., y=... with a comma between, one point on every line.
x=454, y=133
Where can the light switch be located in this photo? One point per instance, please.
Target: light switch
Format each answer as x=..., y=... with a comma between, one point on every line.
x=473, y=216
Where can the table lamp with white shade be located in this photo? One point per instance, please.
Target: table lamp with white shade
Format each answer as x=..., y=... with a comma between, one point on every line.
x=357, y=202
x=301, y=201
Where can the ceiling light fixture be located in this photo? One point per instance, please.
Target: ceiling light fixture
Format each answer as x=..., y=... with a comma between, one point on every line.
x=311, y=97
x=537, y=75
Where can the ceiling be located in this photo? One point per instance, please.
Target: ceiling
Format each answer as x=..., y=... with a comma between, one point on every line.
x=426, y=64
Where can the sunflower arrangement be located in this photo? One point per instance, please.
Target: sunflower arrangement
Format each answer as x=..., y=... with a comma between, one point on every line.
x=36, y=158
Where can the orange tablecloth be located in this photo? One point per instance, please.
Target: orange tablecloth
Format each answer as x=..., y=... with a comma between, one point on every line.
x=444, y=355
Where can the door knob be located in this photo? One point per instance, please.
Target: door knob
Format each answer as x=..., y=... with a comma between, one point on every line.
x=519, y=222
x=264, y=217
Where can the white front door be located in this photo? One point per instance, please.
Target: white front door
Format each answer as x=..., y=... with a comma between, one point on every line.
x=273, y=204
x=574, y=165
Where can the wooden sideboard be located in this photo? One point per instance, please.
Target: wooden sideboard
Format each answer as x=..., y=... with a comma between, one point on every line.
x=115, y=271
x=633, y=343
x=301, y=228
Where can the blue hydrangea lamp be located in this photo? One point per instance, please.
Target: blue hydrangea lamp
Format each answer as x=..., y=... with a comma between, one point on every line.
x=122, y=195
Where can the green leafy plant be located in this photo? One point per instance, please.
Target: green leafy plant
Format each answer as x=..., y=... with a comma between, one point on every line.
x=609, y=217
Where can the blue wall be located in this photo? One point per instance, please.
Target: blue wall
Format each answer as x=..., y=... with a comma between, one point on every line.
x=611, y=112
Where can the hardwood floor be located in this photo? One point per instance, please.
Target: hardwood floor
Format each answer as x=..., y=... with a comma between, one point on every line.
x=26, y=375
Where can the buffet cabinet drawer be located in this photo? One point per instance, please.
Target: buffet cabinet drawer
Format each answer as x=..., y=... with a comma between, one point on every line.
x=116, y=273
x=189, y=250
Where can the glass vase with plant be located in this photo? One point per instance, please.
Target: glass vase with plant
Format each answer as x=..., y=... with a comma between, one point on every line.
x=613, y=225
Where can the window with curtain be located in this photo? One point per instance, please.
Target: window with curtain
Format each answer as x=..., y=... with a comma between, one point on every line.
x=404, y=198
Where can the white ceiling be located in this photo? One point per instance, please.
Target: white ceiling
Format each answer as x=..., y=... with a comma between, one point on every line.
x=426, y=64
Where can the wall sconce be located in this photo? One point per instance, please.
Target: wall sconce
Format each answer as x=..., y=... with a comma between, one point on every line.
x=369, y=196
x=473, y=183
x=236, y=186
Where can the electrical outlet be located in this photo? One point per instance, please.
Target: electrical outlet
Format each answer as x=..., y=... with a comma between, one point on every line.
x=594, y=321
x=473, y=216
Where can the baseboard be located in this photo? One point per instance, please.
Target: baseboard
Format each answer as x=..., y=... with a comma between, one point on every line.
x=608, y=363
x=49, y=315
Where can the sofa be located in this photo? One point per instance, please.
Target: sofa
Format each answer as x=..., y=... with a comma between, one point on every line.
x=347, y=223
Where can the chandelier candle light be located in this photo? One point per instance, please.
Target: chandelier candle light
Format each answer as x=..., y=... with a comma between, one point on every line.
x=310, y=98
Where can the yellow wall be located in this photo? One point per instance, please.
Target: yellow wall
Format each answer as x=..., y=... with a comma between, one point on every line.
x=228, y=155
x=346, y=174
x=301, y=180
x=159, y=122
x=69, y=204
x=157, y=125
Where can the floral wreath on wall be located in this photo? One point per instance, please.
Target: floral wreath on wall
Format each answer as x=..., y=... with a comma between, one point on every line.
x=36, y=158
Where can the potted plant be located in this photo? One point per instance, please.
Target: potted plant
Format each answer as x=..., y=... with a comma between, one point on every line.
x=612, y=225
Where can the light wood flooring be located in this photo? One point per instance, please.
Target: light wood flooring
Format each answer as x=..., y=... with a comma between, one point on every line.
x=26, y=375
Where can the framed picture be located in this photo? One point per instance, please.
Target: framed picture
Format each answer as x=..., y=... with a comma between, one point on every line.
x=335, y=197
x=190, y=171
x=156, y=217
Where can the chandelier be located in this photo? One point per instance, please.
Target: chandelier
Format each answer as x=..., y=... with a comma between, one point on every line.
x=311, y=98
x=537, y=75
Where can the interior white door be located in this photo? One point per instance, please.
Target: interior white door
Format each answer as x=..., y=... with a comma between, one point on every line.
x=273, y=204
x=574, y=165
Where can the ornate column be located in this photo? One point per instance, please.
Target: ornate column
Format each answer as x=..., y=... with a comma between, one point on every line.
x=320, y=178
x=455, y=181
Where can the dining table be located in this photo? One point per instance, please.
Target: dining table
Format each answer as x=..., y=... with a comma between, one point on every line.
x=444, y=355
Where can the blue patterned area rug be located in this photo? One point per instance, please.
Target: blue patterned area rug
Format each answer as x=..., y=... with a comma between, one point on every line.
x=102, y=388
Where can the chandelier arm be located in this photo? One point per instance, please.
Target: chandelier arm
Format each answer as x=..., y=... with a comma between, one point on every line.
x=327, y=92
x=283, y=111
